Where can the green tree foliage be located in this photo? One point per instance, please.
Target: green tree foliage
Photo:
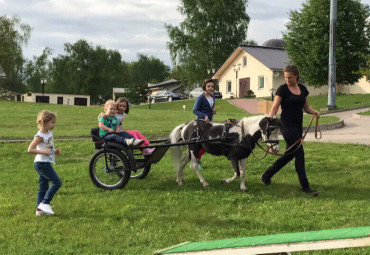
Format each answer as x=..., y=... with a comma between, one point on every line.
x=36, y=69
x=365, y=69
x=13, y=34
x=210, y=32
x=307, y=40
x=87, y=70
x=141, y=72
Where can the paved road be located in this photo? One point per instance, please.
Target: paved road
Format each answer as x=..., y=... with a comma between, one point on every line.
x=355, y=130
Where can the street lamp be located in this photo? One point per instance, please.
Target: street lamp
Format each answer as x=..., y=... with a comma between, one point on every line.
x=43, y=83
x=272, y=94
x=236, y=69
x=211, y=71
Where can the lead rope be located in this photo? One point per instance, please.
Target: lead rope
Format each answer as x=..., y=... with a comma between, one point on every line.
x=300, y=140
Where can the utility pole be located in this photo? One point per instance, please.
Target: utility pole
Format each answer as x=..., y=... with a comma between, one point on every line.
x=332, y=55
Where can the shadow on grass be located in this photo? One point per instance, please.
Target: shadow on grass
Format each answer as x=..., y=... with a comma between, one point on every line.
x=276, y=190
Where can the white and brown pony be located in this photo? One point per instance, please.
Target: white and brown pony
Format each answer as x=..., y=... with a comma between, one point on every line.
x=235, y=140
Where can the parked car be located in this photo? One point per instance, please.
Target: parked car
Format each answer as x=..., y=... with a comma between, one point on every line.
x=166, y=95
x=195, y=93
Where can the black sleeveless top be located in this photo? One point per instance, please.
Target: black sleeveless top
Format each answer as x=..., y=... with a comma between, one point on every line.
x=291, y=105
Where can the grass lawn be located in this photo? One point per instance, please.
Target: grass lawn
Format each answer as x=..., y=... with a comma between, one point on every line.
x=77, y=121
x=364, y=113
x=155, y=213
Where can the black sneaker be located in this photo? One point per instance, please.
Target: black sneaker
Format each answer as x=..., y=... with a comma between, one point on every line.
x=310, y=192
x=266, y=180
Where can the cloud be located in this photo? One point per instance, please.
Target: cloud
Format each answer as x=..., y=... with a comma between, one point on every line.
x=129, y=26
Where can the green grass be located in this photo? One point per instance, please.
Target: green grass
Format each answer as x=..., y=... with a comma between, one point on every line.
x=343, y=101
x=364, y=113
x=77, y=121
x=155, y=213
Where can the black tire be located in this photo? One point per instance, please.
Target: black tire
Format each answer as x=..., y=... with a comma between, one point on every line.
x=141, y=173
x=111, y=178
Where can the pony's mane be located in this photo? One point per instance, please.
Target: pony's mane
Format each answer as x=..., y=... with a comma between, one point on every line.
x=251, y=124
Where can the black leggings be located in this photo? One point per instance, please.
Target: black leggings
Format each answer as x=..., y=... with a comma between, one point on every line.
x=291, y=134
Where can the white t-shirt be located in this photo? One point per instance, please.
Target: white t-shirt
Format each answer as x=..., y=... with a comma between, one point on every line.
x=48, y=142
x=210, y=101
x=120, y=117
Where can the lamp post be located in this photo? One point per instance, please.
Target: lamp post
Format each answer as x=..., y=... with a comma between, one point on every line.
x=272, y=94
x=211, y=71
x=236, y=69
x=43, y=83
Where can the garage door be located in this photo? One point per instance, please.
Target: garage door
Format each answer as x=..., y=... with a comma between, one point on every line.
x=80, y=101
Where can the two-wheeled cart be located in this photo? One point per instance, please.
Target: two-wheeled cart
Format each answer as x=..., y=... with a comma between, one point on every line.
x=114, y=164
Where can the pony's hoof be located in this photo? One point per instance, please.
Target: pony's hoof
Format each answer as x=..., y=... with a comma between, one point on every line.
x=205, y=185
x=223, y=181
x=179, y=183
x=245, y=190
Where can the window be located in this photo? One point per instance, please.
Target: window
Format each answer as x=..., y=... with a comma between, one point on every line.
x=261, y=82
x=228, y=84
x=244, y=61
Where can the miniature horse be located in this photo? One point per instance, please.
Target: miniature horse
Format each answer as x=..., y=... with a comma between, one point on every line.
x=235, y=141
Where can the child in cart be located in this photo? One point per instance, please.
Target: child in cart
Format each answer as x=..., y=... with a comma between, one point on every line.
x=123, y=109
x=109, y=130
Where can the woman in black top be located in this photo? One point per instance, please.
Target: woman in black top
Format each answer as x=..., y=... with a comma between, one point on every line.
x=293, y=98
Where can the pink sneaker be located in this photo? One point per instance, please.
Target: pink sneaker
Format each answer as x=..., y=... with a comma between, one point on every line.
x=148, y=151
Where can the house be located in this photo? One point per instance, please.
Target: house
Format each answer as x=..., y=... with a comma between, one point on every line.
x=171, y=85
x=260, y=69
x=7, y=95
x=51, y=98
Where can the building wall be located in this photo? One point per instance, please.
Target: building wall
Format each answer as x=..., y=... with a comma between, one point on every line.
x=68, y=99
x=253, y=70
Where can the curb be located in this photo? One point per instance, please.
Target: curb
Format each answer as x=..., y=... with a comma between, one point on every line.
x=329, y=126
x=346, y=110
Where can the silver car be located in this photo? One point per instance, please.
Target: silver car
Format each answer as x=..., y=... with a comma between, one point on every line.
x=195, y=93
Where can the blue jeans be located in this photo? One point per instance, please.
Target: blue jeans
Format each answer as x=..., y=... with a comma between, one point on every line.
x=117, y=137
x=46, y=174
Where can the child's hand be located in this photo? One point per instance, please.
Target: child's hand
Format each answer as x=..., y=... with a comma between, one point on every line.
x=214, y=111
x=57, y=152
x=110, y=130
x=46, y=151
x=105, y=116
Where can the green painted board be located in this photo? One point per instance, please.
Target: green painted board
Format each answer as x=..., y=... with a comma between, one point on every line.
x=320, y=235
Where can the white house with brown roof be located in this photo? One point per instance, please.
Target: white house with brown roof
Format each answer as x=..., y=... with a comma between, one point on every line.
x=260, y=69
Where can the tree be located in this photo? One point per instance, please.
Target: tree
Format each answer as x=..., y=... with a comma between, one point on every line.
x=210, y=32
x=307, y=40
x=13, y=34
x=143, y=71
x=36, y=69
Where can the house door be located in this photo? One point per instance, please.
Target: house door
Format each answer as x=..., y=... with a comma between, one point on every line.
x=244, y=87
x=60, y=100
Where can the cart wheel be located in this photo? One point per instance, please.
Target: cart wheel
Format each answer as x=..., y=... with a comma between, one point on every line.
x=107, y=169
x=141, y=173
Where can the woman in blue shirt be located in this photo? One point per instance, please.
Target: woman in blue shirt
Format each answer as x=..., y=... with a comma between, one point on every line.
x=204, y=107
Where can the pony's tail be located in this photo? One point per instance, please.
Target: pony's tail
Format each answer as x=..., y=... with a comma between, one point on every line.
x=175, y=137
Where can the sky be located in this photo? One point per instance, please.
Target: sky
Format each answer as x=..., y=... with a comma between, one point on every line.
x=129, y=26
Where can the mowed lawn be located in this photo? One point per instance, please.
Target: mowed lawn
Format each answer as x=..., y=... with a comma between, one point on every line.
x=154, y=213
x=19, y=119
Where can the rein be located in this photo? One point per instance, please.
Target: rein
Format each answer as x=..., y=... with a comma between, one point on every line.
x=250, y=146
x=300, y=140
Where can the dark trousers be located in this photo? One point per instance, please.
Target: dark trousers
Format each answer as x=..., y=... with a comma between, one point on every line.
x=291, y=134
